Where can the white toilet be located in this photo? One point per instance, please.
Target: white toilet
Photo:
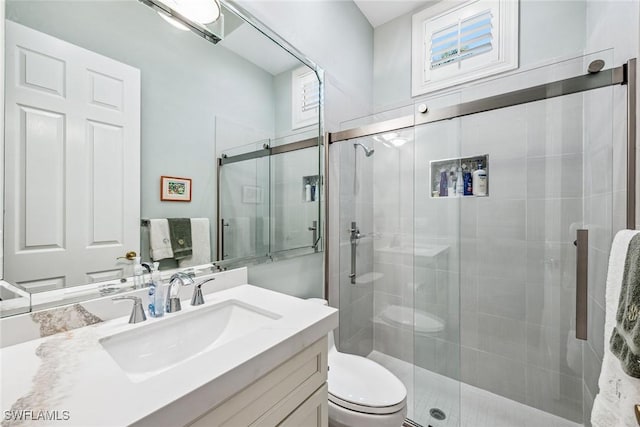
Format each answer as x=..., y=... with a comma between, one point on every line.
x=362, y=393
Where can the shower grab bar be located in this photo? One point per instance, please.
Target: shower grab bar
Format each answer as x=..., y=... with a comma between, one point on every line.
x=582, y=283
x=353, y=239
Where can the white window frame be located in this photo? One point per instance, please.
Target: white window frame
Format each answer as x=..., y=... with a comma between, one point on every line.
x=300, y=118
x=502, y=57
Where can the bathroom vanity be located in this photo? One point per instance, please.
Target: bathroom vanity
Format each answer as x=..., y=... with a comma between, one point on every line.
x=247, y=356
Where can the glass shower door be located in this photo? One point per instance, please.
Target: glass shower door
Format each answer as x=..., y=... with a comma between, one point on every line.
x=244, y=206
x=439, y=243
x=375, y=183
x=458, y=253
x=549, y=169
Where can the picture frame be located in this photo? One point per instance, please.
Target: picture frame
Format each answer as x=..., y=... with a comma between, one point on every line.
x=175, y=189
x=252, y=194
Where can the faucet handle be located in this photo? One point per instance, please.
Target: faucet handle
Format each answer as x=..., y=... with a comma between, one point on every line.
x=197, y=298
x=137, y=313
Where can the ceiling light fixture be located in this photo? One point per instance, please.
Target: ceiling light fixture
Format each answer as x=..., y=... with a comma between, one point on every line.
x=199, y=11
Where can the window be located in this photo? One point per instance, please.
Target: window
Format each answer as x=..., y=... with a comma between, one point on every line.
x=305, y=98
x=476, y=39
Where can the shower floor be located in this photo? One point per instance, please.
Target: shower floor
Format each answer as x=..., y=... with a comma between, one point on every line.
x=481, y=408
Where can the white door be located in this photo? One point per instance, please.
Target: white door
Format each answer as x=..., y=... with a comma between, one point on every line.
x=72, y=137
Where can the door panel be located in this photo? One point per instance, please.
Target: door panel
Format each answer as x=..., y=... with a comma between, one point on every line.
x=68, y=220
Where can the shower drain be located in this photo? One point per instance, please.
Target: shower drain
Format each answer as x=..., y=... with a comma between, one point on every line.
x=437, y=414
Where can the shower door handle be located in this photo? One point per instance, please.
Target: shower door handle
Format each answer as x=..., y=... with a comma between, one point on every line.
x=221, y=254
x=582, y=282
x=314, y=237
x=353, y=239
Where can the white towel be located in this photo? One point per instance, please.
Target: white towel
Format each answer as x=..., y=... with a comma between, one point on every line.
x=159, y=239
x=619, y=393
x=200, y=244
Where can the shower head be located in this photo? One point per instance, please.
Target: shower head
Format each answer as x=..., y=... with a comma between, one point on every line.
x=367, y=151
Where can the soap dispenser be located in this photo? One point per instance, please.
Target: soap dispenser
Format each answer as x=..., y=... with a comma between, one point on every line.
x=156, y=300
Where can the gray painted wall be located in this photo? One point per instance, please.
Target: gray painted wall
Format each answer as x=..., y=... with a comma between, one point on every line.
x=339, y=39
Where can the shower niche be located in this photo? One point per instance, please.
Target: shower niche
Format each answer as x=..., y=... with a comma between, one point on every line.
x=310, y=188
x=459, y=177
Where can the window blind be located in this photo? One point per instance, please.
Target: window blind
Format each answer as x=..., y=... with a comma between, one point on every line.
x=310, y=94
x=469, y=37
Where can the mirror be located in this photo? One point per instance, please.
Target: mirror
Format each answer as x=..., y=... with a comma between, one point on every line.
x=269, y=203
x=117, y=121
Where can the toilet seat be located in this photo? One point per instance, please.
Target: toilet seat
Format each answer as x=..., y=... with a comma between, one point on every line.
x=362, y=385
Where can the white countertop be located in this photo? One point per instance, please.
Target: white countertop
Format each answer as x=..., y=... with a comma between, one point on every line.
x=71, y=371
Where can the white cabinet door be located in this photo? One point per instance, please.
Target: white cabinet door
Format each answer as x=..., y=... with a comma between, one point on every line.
x=72, y=137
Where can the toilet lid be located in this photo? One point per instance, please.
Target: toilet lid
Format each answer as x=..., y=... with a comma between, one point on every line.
x=363, y=385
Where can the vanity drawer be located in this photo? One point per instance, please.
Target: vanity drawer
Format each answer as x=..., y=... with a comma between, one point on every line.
x=269, y=400
x=314, y=412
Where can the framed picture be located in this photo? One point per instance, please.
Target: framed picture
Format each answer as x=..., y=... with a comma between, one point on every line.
x=251, y=194
x=174, y=189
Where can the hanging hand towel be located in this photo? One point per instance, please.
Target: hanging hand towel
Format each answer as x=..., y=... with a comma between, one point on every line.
x=180, y=232
x=159, y=239
x=618, y=392
x=625, y=340
x=201, y=244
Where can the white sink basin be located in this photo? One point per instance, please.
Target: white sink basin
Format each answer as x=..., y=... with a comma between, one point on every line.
x=148, y=350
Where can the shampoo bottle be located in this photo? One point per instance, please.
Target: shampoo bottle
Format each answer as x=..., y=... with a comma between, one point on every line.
x=459, y=184
x=480, y=181
x=451, y=191
x=307, y=192
x=443, y=183
x=468, y=181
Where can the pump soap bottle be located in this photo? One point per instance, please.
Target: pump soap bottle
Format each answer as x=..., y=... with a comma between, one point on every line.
x=156, y=300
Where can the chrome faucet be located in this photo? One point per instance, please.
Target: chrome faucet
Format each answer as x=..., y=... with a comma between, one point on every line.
x=197, y=298
x=137, y=314
x=173, y=298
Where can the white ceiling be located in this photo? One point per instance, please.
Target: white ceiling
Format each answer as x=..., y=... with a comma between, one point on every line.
x=379, y=12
